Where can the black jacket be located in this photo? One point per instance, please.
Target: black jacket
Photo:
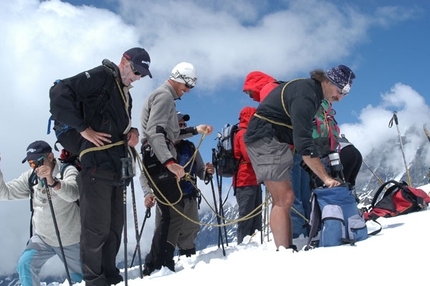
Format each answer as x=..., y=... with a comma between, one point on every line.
x=301, y=99
x=93, y=99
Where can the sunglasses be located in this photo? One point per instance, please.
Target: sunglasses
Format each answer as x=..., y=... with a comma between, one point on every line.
x=182, y=124
x=189, y=82
x=345, y=90
x=36, y=163
x=134, y=70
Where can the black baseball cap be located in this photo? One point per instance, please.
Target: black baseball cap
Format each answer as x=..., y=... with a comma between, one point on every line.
x=140, y=59
x=186, y=117
x=36, y=150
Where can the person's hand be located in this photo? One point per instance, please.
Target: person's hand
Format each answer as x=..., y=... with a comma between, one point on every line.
x=97, y=138
x=204, y=129
x=209, y=168
x=132, y=137
x=177, y=170
x=149, y=201
x=45, y=172
x=330, y=183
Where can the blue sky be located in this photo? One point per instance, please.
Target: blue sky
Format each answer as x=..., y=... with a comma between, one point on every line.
x=385, y=42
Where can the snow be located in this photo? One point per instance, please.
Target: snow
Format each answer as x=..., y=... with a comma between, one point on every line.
x=394, y=256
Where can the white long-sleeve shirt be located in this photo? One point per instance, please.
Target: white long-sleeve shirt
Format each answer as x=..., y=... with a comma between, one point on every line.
x=66, y=209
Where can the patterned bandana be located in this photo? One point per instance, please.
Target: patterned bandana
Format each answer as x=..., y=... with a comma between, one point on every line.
x=341, y=76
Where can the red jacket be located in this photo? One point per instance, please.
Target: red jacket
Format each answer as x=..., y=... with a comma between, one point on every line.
x=256, y=81
x=245, y=175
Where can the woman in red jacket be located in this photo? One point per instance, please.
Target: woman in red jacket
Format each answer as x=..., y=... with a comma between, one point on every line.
x=248, y=191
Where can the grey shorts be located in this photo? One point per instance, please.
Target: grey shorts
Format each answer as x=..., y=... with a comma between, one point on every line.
x=271, y=159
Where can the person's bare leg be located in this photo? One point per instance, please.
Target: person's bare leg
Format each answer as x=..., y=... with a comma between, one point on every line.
x=280, y=218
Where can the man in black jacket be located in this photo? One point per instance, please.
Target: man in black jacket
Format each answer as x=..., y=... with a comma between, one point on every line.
x=283, y=118
x=96, y=105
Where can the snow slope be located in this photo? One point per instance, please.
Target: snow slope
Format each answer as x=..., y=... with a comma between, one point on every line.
x=395, y=256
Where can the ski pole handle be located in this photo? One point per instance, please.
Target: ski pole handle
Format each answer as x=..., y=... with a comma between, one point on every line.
x=395, y=117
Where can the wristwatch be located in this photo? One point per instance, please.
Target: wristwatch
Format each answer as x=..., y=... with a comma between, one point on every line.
x=56, y=181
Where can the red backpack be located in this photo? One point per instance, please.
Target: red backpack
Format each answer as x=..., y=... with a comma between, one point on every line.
x=397, y=200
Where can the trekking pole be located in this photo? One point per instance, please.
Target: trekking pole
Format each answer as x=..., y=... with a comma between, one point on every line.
x=136, y=227
x=390, y=124
x=215, y=160
x=147, y=215
x=221, y=209
x=266, y=214
x=373, y=173
x=32, y=181
x=220, y=240
x=136, y=222
x=260, y=193
x=48, y=193
x=126, y=170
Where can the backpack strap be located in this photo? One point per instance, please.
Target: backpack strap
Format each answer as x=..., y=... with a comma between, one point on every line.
x=63, y=168
x=387, y=192
x=282, y=95
x=283, y=106
x=376, y=231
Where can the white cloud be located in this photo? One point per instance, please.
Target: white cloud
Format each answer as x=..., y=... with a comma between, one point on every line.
x=372, y=130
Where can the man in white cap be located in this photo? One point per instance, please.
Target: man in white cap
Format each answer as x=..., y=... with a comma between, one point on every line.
x=44, y=243
x=160, y=131
x=285, y=118
x=190, y=195
x=93, y=114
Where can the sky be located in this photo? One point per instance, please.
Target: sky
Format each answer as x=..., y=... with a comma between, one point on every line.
x=384, y=42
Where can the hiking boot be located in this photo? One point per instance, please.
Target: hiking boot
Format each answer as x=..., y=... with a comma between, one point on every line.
x=187, y=252
x=170, y=265
x=148, y=268
x=114, y=279
x=293, y=247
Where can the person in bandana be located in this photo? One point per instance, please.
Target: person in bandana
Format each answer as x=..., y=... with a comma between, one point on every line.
x=283, y=118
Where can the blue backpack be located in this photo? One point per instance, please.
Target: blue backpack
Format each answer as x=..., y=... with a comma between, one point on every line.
x=185, y=150
x=334, y=213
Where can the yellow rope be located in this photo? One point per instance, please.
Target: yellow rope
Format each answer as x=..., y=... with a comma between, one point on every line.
x=273, y=121
x=104, y=147
x=187, y=177
x=282, y=95
x=166, y=202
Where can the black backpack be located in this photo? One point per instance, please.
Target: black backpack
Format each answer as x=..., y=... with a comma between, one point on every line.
x=66, y=135
x=224, y=161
